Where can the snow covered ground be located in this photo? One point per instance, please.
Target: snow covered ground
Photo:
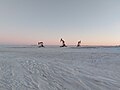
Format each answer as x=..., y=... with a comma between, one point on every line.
x=54, y=68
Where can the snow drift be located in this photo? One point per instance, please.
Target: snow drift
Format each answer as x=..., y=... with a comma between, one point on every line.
x=59, y=68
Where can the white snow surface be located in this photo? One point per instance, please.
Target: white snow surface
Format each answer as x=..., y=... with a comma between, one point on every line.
x=54, y=68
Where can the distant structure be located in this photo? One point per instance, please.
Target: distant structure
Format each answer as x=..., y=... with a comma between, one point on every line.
x=40, y=44
x=63, y=43
x=79, y=42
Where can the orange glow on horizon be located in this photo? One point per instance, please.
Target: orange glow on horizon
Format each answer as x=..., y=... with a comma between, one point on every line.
x=53, y=42
x=56, y=41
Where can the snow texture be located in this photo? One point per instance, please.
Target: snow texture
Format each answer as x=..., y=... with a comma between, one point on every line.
x=59, y=68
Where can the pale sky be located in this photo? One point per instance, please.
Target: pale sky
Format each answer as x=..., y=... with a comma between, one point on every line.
x=95, y=22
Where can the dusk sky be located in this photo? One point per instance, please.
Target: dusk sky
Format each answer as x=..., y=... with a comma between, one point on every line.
x=95, y=22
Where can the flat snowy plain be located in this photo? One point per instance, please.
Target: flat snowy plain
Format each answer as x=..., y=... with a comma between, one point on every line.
x=54, y=68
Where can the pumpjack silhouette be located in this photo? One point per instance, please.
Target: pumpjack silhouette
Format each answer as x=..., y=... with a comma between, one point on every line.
x=63, y=43
x=78, y=45
x=40, y=44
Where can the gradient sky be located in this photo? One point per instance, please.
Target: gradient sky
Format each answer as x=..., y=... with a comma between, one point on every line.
x=95, y=22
